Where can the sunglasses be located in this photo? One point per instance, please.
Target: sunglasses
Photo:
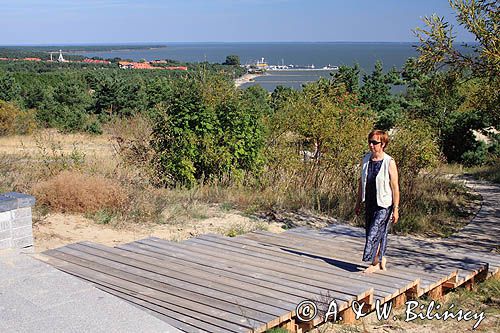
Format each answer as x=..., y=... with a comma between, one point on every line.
x=373, y=142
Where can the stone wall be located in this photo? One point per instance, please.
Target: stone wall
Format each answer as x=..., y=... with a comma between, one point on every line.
x=15, y=220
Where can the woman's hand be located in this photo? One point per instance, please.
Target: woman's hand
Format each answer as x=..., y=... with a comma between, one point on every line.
x=357, y=210
x=395, y=216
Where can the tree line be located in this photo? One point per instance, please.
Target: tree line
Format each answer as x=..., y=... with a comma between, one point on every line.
x=81, y=97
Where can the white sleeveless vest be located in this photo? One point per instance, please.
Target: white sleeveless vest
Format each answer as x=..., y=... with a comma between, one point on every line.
x=384, y=191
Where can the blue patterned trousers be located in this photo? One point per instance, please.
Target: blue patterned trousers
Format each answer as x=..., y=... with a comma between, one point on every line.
x=377, y=226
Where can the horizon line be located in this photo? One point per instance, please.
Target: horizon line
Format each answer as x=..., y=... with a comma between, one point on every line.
x=207, y=42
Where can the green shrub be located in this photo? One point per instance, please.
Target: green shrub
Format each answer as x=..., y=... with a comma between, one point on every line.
x=13, y=120
x=93, y=127
x=414, y=148
x=316, y=141
x=206, y=129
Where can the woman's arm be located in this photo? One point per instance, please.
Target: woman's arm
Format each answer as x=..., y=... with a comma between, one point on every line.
x=357, y=210
x=394, y=182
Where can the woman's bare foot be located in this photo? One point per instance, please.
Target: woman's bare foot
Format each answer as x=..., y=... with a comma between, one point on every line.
x=371, y=269
x=383, y=264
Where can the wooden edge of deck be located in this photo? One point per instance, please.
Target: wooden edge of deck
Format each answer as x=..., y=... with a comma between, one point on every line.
x=293, y=324
x=453, y=276
x=366, y=297
x=478, y=275
x=410, y=291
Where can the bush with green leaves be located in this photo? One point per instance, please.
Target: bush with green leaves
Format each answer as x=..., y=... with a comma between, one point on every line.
x=9, y=87
x=207, y=129
x=316, y=139
x=414, y=147
x=14, y=120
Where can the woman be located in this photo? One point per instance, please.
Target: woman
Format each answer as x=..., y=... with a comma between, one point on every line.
x=379, y=189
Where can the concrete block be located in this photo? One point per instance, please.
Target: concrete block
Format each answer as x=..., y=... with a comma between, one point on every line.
x=7, y=203
x=5, y=216
x=22, y=232
x=22, y=242
x=16, y=220
x=5, y=225
x=23, y=200
x=6, y=234
x=22, y=222
x=5, y=243
x=21, y=212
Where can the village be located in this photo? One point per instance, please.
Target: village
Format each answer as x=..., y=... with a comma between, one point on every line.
x=121, y=64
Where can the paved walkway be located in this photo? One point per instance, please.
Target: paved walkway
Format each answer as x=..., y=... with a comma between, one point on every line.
x=483, y=232
x=35, y=297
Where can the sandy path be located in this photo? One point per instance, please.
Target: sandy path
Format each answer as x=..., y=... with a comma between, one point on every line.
x=56, y=230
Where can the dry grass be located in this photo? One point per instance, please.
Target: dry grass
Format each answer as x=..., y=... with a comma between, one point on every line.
x=74, y=192
x=489, y=172
x=131, y=139
x=89, y=163
x=100, y=146
x=436, y=207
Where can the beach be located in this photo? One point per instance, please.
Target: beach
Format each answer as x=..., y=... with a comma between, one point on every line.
x=245, y=79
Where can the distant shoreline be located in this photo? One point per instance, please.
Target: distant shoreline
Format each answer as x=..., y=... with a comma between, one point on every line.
x=245, y=79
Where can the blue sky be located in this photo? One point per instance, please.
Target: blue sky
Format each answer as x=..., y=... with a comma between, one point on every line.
x=122, y=21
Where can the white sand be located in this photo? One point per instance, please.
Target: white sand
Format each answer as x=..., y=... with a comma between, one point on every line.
x=244, y=79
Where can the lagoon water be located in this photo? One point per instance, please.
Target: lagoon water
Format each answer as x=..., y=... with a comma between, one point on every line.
x=298, y=53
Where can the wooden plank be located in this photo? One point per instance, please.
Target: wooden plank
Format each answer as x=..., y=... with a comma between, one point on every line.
x=144, y=304
x=159, y=291
x=286, y=242
x=147, y=253
x=411, y=257
x=177, y=286
x=319, y=283
x=445, y=259
x=325, y=266
x=317, y=288
x=278, y=252
x=391, y=292
x=465, y=273
x=436, y=293
x=429, y=279
x=259, y=252
x=199, y=323
x=258, y=297
x=388, y=277
x=313, y=291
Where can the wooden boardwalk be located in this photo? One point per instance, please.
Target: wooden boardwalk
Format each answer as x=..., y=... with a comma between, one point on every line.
x=254, y=282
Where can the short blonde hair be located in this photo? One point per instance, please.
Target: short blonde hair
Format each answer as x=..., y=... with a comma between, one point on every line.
x=384, y=137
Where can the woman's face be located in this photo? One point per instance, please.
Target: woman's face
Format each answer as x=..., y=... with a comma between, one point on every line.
x=376, y=146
